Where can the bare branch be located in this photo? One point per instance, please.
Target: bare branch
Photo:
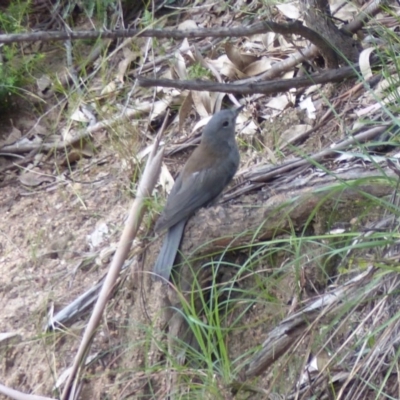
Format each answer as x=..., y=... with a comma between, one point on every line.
x=282, y=85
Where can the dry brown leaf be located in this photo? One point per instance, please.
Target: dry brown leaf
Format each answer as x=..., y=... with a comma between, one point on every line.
x=71, y=157
x=312, y=89
x=380, y=88
x=184, y=48
x=258, y=67
x=284, y=44
x=271, y=155
x=225, y=67
x=34, y=177
x=256, y=44
x=217, y=101
x=239, y=60
x=68, y=133
x=40, y=130
x=123, y=65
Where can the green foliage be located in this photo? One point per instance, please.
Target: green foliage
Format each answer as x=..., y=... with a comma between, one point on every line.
x=15, y=67
x=197, y=71
x=98, y=8
x=14, y=18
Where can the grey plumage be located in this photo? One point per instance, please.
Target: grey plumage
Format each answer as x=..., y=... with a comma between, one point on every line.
x=206, y=173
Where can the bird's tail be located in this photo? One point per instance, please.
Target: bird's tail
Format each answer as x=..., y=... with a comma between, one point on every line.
x=165, y=261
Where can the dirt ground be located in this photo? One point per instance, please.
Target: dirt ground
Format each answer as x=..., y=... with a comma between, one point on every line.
x=48, y=258
x=57, y=236
x=56, y=241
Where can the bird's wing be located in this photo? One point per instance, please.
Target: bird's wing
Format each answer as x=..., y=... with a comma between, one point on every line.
x=197, y=190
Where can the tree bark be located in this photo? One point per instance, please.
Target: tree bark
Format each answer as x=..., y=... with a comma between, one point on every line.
x=317, y=15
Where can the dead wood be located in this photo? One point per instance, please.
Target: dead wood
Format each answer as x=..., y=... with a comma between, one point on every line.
x=262, y=216
x=261, y=27
x=281, y=85
x=287, y=333
x=318, y=15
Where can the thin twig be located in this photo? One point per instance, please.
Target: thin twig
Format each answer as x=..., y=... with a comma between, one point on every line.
x=146, y=185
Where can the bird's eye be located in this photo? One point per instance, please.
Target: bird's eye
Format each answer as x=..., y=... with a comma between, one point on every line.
x=225, y=124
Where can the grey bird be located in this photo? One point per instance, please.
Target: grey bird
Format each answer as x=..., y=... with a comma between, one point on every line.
x=205, y=175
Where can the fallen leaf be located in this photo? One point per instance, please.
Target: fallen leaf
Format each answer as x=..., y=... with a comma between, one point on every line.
x=365, y=66
x=249, y=128
x=71, y=157
x=239, y=60
x=44, y=85
x=258, y=67
x=79, y=116
x=279, y=102
x=98, y=235
x=308, y=105
x=109, y=88
x=187, y=25
x=184, y=48
x=179, y=66
x=12, y=138
x=292, y=134
x=268, y=40
x=201, y=101
x=289, y=10
x=123, y=65
x=166, y=179
x=34, y=177
x=159, y=108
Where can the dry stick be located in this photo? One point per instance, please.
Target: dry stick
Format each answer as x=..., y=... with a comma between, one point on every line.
x=262, y=27
x=281, y=85
x=265, y=173
x=359, y=21
x=146, y=185
x=14, y=394
x=261, y=176
x=257, y=177
x=296, y=28
x=284, y=335
x=18, y=149
x=364, y=16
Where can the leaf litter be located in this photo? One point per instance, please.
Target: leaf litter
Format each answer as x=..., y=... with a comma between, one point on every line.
x=35, y=220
